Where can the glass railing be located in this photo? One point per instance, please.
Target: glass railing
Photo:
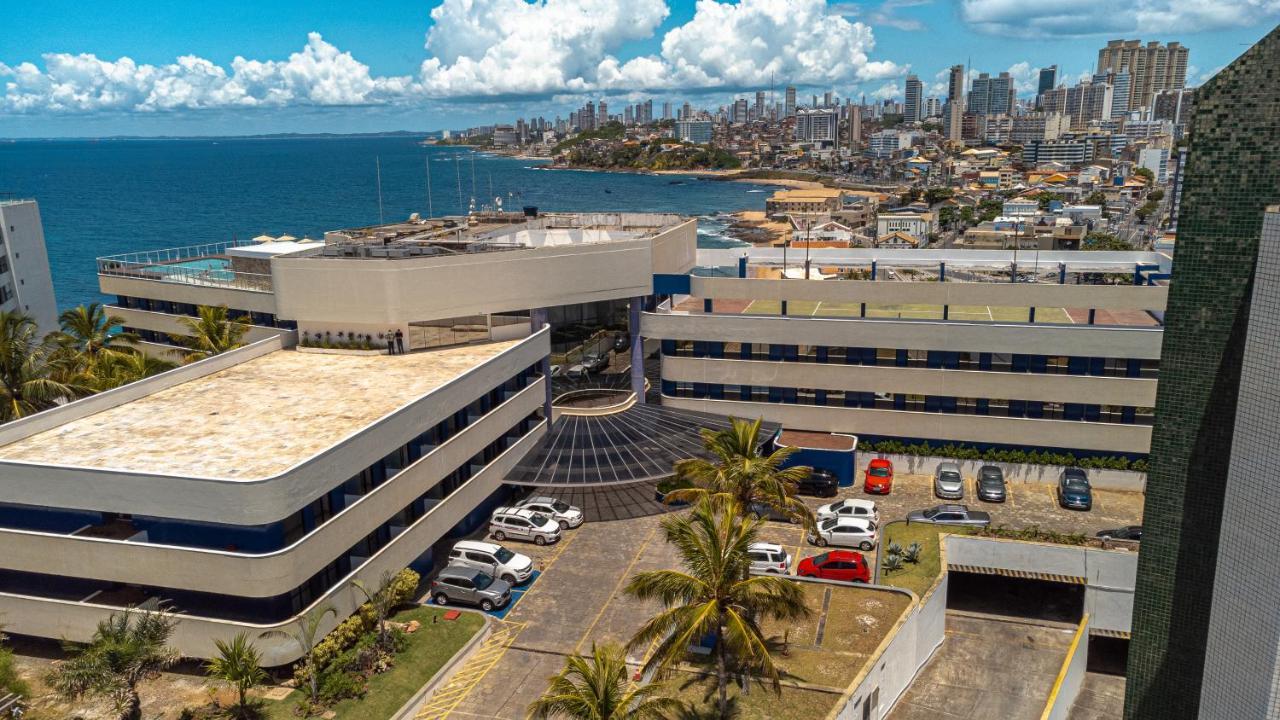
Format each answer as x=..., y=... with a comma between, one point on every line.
x=192, y=265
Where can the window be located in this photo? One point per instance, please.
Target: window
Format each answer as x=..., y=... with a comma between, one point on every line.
x=4, y=264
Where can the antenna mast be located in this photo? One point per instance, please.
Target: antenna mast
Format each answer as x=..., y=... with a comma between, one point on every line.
x=431, y=212
x=377, y=161
x=457, y=171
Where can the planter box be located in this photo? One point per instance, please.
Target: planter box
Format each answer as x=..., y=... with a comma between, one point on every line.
x=338, y=351
x=1017, y=472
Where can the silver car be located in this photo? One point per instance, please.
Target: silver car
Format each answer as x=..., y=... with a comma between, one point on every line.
x=948, y=483
x=461, y=584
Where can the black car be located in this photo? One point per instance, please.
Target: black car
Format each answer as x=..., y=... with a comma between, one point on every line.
x=621, y=342
x=1130, y=532
x=820, y=483
x=991, y=484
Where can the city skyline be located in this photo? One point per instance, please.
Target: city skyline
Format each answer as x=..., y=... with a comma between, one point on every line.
x=149, y=71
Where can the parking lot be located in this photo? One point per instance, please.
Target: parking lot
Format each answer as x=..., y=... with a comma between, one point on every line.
x=578, y=597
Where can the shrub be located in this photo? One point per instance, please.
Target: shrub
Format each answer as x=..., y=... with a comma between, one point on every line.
x=9, y=680
x=912, y=555
x=338, y=685
x=1001, y=455
x=892, y=562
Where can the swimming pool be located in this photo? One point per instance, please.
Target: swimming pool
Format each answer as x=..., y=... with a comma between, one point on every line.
x=202, y=268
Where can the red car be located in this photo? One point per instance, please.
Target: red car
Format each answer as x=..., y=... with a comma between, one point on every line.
x=845, y=565
x=879, y=477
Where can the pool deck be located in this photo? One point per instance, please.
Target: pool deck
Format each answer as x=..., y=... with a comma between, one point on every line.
x=253, y=420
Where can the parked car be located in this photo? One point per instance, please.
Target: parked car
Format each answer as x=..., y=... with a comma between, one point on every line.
x=769, y=512
x=950, y=515
x=492, y=559
x=948, y=483
x=566, y=515
x=879, y=477
x=576, y=372
x=843, y=565
x=621, y=342
x=849, y=507
x=596, y=361
x=991, y=485
x=1074, y=492
x=820, y=483
x=522, y=524
x=1130, y=532
x=769, y=558
x=458, y=583
x=845, y=532
x=557, y=370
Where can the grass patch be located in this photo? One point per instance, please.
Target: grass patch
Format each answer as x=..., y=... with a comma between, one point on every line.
x=428, y=651
x=917, y=577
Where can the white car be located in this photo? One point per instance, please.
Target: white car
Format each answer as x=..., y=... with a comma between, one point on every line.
x=492, y=559
x=845, y=532
x=523, y=524
x=769, y=558
x=850, y=507
x=562, y=512
x=576, y=372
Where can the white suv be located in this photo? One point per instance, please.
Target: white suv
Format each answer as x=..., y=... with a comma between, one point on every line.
x=563, y=513
x=769, y=558
x=523, y=524
x=844, y=531
x=493, y=559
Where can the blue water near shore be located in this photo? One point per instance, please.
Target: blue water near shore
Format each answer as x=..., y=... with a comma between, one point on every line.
x=115, y=196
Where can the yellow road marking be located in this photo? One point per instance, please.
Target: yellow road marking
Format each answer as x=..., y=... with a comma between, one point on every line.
x=448, y=698
x=1008, y=494
x=577, y=649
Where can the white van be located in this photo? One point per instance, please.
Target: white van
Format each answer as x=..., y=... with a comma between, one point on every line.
x=493, y=559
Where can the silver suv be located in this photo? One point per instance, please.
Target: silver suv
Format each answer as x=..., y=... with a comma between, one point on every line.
x=458, y=583
x=948, y=483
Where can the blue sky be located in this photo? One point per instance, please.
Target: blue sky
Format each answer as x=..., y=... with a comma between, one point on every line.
x=234, y=67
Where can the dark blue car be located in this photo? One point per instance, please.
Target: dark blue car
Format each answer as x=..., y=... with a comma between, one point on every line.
x=1074, y=492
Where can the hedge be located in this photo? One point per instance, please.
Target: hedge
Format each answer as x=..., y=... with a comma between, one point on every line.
x=404, y=588
x=1031, y=457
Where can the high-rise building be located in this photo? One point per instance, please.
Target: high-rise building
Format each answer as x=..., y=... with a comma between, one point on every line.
x=759, y=107
x=979, y=94
x=954, y=115
x=1157, y=161
x=1048, y=79
x=739, y=112
x=666, y=110
x=1085, y=103
x=1175, y=106
x=1152, y=67
x=1002, y=95
x=1205, y=625
x=819, y=125
x=854, y=113
x=587, y=116
x=602, y=113
x=932, y=108
x=686, y=111
x=694, y=131
x=648, y=111
x=913, y=96
x=826, y=99
x=25, y=284
x=791, y=101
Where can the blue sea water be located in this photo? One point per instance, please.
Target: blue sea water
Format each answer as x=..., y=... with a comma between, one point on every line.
x=114, y=196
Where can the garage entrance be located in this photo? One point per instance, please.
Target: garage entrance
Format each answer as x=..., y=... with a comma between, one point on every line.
x=1017, y=597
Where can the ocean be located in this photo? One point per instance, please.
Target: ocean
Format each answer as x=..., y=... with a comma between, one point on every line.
x=114, y=196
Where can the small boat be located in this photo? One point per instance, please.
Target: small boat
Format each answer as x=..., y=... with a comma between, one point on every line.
x=608, y=191
x=676, y=182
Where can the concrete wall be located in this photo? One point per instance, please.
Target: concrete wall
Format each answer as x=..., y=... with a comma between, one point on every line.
x=267, y=574
x=388, y=293
x=905, y=651
x=1070, y=677
x=1078, y=340
x=172, y=324
x=240, y=502
x=1109, y=576
x=195, y=636
x=1134, y=392
x=1126, y=480
x=675, y=250
x=935, y=293
x=28, y=262
x=1101, y=437
x=252, y=300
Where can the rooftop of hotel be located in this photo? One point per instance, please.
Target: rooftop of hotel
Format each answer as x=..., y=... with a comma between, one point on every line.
x=253, y=420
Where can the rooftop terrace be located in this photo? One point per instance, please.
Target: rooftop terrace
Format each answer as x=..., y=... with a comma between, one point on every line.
x=253, y=420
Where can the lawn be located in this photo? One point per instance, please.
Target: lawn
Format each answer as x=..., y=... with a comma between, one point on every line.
x=758, y=704
x=428, y=651
x=917, y=577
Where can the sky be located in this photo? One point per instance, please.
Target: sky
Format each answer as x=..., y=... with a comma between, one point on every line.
x=236, y=67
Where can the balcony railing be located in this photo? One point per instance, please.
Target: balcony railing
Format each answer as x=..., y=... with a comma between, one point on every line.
x=192, y=265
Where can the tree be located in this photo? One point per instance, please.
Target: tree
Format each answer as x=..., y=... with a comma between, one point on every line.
x=1155, y=196
x=92, y=333
x=115, y=370
x=306, y=633
x=126, y=649
x=742, y=473
x=1145, y=173
x=967, y=215
x=1104, y=241
x=947, y=216
x=935, y=195
x=212, y=331
x=239, y=664
x=27, y=382
x=597, y=688
x=382, y=601
x=714, y=595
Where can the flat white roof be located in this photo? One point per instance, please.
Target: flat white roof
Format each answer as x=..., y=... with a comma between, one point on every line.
x=272, y=249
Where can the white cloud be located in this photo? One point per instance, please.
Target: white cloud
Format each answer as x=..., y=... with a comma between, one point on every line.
x=488, y=50
x=887, y=91
x=1100, y=17
x=885, y=14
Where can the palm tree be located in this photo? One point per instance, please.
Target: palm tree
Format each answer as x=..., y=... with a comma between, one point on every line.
x=238, y=664
x=212, y=331
x=382, y=601
x=597, y=688
x=93, y=333
x=741, y=473
x=714, y=595
x=306, y=633
x=27, y=382
x=126, y=649
x=115, y=370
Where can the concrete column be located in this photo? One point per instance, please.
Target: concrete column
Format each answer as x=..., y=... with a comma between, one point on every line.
x=873, y=269
x=942, y=272
x=742, y=266
x=537, y=321
x=637, y=348
x=1062, y=273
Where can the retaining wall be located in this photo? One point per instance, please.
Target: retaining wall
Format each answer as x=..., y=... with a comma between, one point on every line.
x=1016, y=472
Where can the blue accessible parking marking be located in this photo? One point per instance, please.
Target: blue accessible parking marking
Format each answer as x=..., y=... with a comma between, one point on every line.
x=517, y=592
